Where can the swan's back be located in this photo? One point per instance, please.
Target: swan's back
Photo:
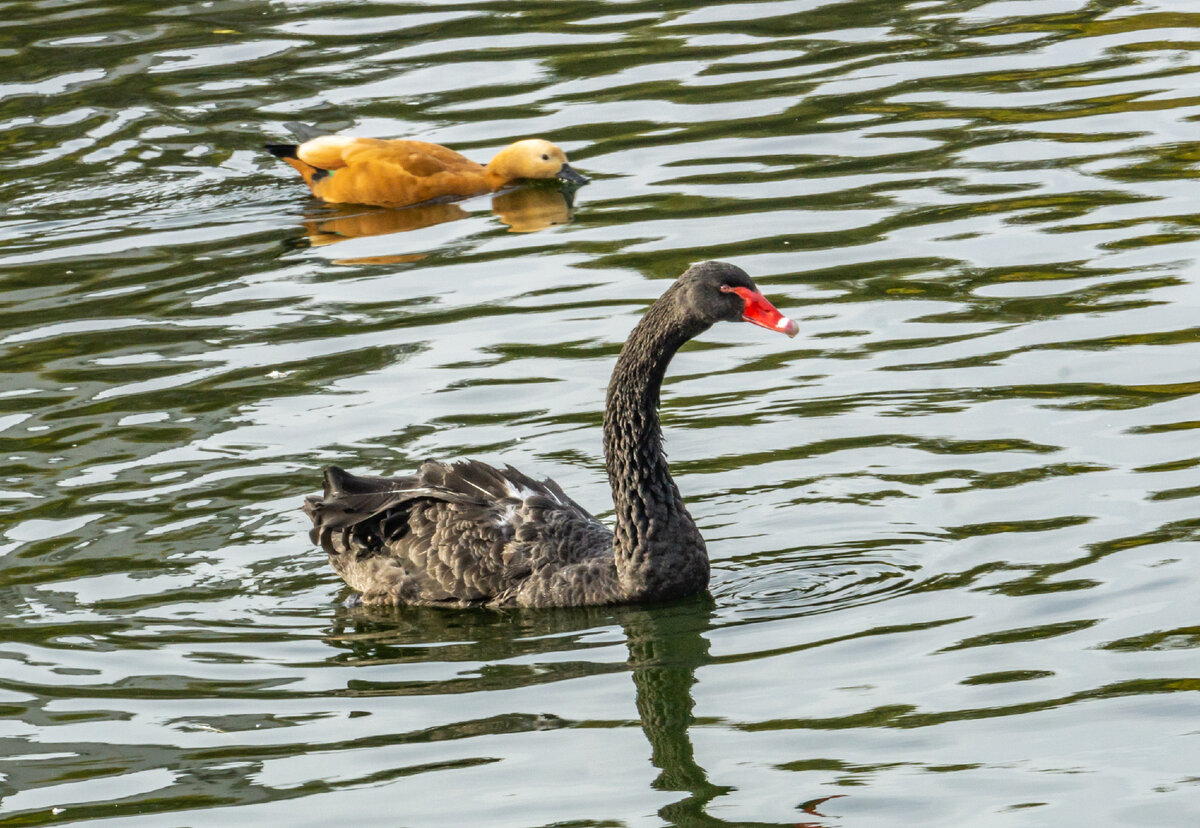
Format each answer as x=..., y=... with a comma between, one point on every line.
x=462, y=533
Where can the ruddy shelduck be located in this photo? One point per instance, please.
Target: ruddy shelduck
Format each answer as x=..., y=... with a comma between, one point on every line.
x=340, y=169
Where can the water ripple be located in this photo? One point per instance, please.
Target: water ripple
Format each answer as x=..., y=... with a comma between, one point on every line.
x=949, y=525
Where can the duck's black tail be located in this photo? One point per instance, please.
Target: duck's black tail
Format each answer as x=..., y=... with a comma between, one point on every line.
x=282, y=150
x=303, y=132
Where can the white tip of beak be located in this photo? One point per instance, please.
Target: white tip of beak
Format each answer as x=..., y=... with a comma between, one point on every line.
x=787, y=326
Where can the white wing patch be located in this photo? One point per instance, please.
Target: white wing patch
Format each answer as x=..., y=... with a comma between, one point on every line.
x=519, y=492
x=522, y=493
x=314, y=148
x=510, y=512
x=480, y=488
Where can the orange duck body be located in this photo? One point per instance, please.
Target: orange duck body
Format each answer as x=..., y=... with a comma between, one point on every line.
x=340, y=169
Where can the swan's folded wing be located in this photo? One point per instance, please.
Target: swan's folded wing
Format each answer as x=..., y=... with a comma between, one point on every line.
x=539, y=522
x=464, y=531
x=351, y=501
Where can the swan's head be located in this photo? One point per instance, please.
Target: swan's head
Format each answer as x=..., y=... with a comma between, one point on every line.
x=534, y=158
x=721, y=292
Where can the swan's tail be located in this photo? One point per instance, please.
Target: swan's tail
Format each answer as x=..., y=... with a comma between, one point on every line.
x=349, y=500
x=364, y=513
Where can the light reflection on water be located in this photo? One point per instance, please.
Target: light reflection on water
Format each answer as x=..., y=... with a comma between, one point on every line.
x=951, y=523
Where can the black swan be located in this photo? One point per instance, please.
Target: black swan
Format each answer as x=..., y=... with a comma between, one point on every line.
x=466, y=533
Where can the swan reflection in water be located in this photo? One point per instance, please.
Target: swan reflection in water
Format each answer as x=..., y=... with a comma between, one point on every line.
x=666, y=645
x=524, y=209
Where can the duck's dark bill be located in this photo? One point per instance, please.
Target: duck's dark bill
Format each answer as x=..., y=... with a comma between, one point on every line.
x=568, y=174
x=760, y=312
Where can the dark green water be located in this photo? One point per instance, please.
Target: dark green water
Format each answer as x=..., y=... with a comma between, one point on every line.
x=954, y=523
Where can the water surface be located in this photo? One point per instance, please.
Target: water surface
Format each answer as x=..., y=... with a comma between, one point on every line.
x=953, y=524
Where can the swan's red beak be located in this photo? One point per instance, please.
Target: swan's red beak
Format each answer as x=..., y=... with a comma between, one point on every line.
x=760, y=312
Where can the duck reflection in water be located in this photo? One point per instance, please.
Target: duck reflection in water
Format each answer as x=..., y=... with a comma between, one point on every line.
x=666, y=645
x=524, y=209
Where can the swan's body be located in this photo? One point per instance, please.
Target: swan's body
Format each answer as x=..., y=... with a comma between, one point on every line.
x=341, y=169
x=467, y=533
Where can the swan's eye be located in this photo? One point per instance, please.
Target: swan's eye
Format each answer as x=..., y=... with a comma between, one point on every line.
x=545, y=157
x=727, y=289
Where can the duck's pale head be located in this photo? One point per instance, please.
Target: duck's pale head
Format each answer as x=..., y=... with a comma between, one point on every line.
x=534, y=158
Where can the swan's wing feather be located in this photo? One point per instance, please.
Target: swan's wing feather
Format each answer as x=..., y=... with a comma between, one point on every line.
x=349, y=500
x=462, y=531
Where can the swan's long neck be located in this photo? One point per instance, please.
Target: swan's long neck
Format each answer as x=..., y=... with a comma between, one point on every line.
x=658, y=549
